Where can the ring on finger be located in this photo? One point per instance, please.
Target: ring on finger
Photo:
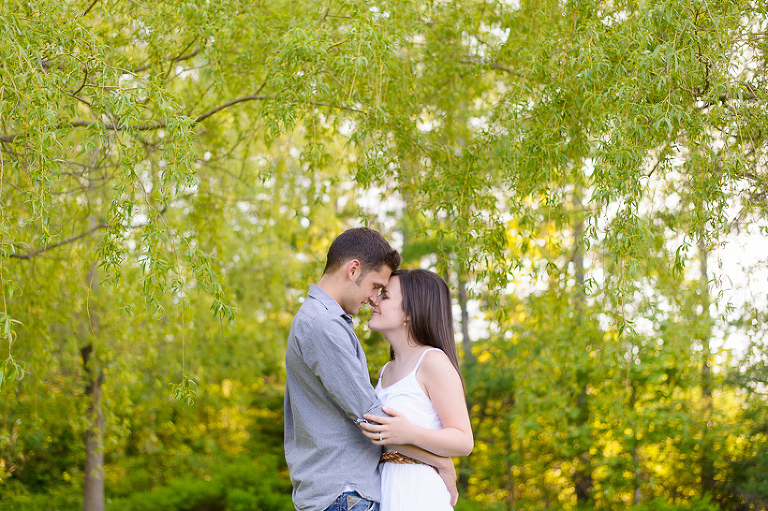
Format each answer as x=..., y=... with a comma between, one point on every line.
x=379, y=436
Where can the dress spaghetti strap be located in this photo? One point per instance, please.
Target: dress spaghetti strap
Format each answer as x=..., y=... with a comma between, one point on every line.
x=381, y=372
x=422, y=358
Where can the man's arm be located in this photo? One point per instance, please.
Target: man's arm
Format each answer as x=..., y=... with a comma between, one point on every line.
x=444, y=466
x=328, y=349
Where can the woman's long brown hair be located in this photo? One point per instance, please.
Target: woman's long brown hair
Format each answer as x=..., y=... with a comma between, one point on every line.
x=427, y=302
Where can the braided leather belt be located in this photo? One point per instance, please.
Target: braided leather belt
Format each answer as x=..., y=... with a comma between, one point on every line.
x=396, y=457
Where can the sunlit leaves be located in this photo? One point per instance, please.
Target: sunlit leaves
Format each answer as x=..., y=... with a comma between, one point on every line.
x=185, y=392
x=570, y=160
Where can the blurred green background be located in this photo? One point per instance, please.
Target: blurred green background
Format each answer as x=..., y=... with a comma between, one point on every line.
x=589, y=176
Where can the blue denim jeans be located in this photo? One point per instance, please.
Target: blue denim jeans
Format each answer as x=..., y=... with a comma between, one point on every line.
x=351, y=501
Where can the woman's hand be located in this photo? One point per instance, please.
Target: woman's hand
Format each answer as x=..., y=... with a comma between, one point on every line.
x=394, y=429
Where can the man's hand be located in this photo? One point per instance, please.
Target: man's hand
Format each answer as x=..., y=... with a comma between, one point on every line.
x=394, y=431
x=447, y=472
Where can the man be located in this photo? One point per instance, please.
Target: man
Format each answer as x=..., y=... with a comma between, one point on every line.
x=328, y=389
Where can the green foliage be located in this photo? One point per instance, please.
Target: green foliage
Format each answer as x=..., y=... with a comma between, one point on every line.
x=750, y=478
x=171, y=175
x=16, y=498
x=237, y=485
x=697, y=504
x=242, y=485
x=185, y=392
x=470, y=505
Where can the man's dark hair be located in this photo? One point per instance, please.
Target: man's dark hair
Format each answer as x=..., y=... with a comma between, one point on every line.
x=367, y=246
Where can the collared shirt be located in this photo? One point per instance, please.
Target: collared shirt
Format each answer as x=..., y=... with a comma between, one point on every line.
x=328, y=389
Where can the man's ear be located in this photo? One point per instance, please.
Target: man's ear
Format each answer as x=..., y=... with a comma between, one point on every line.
x=354, y=268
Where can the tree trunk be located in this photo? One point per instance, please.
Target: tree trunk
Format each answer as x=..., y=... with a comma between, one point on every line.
x=93, y=488
x=512, y=458
x=465, y=340
x=511, y=487
x=706, y=464
x=582, y=479
x=635, y=451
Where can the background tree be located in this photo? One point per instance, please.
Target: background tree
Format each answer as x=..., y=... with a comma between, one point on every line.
x=171, y=176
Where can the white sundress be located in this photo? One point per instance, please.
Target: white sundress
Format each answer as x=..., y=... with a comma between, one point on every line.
x=407, y=487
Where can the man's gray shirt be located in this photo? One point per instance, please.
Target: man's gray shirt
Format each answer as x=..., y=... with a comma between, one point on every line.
x=327, y=391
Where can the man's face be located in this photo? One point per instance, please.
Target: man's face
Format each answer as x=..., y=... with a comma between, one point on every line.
x=364, y=290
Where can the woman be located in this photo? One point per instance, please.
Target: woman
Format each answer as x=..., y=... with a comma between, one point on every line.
x=423, y=383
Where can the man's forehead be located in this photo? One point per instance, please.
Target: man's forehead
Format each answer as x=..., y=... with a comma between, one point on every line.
x=381, y=277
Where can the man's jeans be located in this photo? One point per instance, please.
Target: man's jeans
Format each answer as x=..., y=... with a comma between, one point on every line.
x=351, y=501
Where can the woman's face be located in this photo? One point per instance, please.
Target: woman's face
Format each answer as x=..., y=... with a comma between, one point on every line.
x=388, y=314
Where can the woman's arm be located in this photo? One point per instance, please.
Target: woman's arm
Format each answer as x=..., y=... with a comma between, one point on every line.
x=444, y=388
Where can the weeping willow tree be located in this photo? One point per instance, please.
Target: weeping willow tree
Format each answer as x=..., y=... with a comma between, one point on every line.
x=599, y=148
x=150, y=154
x=626, y=139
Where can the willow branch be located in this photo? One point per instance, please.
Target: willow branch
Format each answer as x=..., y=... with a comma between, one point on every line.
x=82, y=85
x=88, y=9
x=71, y=239
x=159, y=125
x=492, y=65
x=228, y=104
x=178, y=58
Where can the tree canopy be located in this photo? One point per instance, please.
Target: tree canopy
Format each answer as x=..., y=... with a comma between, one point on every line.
x=172, y=173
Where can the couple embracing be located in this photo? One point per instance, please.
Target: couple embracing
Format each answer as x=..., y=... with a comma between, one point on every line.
x=350, y=446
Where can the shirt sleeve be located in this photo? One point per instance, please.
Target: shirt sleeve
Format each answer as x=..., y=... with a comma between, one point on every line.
x=330, y=350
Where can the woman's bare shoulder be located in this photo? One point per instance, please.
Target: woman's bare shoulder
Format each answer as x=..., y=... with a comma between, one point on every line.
x=436, y=363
